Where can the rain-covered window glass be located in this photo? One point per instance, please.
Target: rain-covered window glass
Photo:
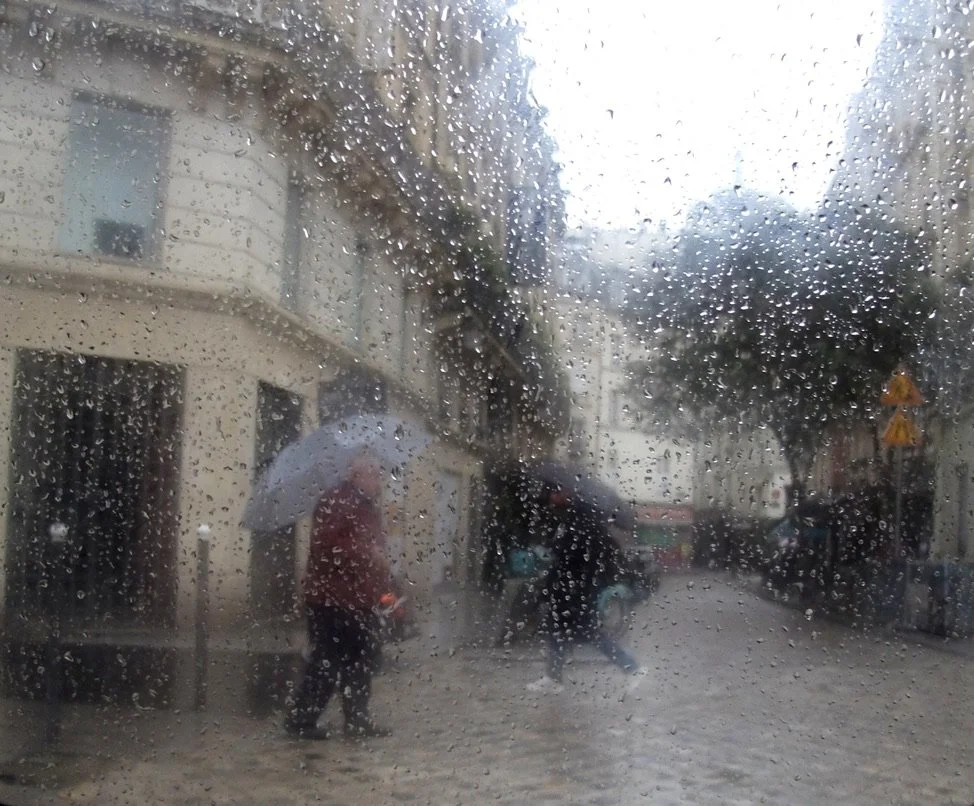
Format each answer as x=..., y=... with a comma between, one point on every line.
x=963, y=471
x=294, y=232
x=351, y=391
x=663, y=468
x=356, y=284
x=114, y=179
x=96, y=451
x=527, y=235
x=443, y=557
x=486, y=401
x=580, y=384
x=615, y=349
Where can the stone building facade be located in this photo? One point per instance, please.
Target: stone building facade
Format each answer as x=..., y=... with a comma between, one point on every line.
x=221, y=224
x=909, y=155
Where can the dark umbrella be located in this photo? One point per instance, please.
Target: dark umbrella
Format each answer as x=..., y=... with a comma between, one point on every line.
x=576, y=482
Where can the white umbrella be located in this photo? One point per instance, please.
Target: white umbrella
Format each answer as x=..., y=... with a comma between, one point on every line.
x=294, y=482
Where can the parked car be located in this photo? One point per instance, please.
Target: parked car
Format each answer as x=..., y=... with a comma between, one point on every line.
x=797, y=548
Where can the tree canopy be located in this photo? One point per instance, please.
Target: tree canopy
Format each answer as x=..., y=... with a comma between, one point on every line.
x=784, y=319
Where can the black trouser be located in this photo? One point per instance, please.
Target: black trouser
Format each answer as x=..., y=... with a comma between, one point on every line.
x=344, y=649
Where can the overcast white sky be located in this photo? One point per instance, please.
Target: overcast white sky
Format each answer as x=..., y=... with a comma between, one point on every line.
x=650, y=100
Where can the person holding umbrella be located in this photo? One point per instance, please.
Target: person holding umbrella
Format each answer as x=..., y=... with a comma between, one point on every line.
x=335, y=473
x=347, y=574
x=585, y=560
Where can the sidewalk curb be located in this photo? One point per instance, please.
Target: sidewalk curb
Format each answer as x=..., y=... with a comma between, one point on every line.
x=957, y=647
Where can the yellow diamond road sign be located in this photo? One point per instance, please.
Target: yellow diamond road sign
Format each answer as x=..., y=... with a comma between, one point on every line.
x=901, y=432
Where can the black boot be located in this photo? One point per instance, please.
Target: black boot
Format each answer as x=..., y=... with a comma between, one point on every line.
x=364, y=728
x=309, y=732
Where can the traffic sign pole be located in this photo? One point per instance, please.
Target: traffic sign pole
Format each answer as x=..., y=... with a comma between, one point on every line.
x=901, y=432
x=898, y=517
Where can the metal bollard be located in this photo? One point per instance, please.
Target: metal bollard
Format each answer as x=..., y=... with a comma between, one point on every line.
x=58, y=535
x=203, y=535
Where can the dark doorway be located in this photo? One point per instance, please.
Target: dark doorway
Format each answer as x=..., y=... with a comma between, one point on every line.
x=353, y=391
x=95, y=446
x=272, y=558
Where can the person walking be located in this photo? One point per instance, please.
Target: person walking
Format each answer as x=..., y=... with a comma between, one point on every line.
x=346, y=576
x=585, y=560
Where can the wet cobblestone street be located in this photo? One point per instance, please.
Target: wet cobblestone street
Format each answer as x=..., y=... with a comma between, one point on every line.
x=745, y=702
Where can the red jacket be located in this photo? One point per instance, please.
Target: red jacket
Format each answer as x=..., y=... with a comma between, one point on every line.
x=347, y=567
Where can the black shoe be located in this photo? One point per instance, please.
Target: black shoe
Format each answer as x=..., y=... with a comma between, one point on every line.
x=365, y=729
x=309, y=732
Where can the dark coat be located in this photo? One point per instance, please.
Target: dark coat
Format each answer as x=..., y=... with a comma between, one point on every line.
x=585, y=559
x=347, y=567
